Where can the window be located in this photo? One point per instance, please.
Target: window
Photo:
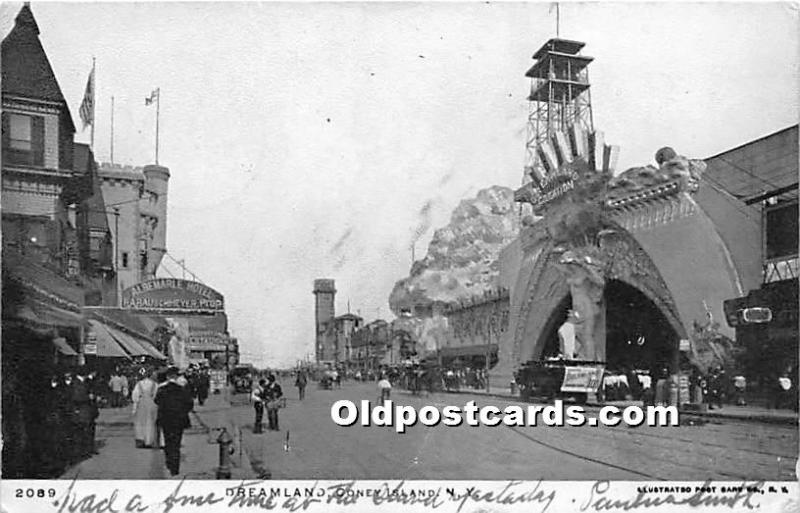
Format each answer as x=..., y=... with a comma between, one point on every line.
x=23, y=139
x=20, y=138
x=781, y=227
x=124, y=259
x=95, y=243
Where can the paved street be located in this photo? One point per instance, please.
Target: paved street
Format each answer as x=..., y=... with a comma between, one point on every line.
x=721, y=449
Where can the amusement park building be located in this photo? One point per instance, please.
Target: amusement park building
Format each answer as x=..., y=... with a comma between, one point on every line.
x=648, y=257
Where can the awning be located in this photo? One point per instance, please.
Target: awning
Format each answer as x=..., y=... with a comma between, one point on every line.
x=38, y=312
x=41, y=280
x=63, y=347
x=107, y=346
x=134, y=346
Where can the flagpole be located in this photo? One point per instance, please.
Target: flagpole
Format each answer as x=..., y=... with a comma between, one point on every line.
x=158, y=112
x=112, y=129
x=558, y=19
x=94, y=89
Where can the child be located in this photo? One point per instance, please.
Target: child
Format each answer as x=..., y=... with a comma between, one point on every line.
x=385, y=387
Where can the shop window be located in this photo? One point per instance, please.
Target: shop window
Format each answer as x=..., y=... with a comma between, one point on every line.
x=125, y=258
x=23, y=139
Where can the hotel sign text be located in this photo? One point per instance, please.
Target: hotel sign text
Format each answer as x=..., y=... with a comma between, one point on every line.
x=173, y=295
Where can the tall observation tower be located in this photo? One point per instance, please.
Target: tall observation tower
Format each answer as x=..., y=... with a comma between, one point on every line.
x=324, y=300
x=560, y=106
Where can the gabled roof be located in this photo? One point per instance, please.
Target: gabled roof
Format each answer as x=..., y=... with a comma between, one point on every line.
x=26, y=71
x=84, y=165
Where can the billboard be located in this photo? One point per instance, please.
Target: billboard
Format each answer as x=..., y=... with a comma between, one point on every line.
x=171, y=295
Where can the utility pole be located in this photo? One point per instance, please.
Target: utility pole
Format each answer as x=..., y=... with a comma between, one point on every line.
x=112, y=129
x=116, y=256
x=158, y=114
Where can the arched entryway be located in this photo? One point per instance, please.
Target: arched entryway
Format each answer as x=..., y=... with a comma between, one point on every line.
x=638, y=333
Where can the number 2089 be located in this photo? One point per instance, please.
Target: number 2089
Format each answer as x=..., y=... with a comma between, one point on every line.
x=32, y=493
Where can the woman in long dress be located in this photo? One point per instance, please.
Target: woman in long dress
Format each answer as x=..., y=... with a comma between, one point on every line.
x=144, y=412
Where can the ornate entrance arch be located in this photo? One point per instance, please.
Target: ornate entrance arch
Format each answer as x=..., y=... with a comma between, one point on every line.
x=582, y=272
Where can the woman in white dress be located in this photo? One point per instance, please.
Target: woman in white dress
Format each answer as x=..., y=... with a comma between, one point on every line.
x=144, y=412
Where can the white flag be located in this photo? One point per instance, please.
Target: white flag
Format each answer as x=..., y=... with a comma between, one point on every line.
x=153, y=96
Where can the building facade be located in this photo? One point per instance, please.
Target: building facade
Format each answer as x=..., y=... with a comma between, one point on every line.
x=762, y=177
x=344, y=326
x=56, y=256
x=136, y=213
x=370, y=345
x=474, y=329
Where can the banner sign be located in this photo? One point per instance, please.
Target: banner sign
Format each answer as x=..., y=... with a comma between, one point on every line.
x=582, y=379
x=172, y=294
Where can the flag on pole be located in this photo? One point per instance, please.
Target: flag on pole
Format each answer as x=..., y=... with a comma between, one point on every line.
x=87, y=105
x=153, y=96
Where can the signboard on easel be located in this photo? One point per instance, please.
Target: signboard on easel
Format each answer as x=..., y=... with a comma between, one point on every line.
x=90, y=347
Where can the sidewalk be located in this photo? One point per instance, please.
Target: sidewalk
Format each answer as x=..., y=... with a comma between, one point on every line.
x=746, y=413
x=119, y=458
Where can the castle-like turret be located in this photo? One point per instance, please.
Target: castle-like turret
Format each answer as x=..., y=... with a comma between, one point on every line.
x=157, y=185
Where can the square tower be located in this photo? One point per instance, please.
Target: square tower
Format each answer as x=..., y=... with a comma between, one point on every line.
x=324, y=311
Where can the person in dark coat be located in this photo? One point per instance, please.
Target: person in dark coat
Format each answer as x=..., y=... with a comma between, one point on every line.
x=301, y=383
x=81, y=414
x=272, y=394
x=203, y=386
x=174, y=404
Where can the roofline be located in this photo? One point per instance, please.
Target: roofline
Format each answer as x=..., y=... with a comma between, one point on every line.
x=752, y=142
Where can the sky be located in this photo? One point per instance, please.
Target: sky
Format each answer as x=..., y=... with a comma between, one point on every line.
x=314, y=140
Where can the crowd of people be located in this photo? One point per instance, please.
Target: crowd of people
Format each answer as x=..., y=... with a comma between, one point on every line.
x=69, y=400
x=48, y=421
x=714, y=387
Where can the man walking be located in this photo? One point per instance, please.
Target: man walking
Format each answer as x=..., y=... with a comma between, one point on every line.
x=301, y=383
x=258, y=404
x=273, y=393
x=117, y=383
x=174, y=404
x=203, y=385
